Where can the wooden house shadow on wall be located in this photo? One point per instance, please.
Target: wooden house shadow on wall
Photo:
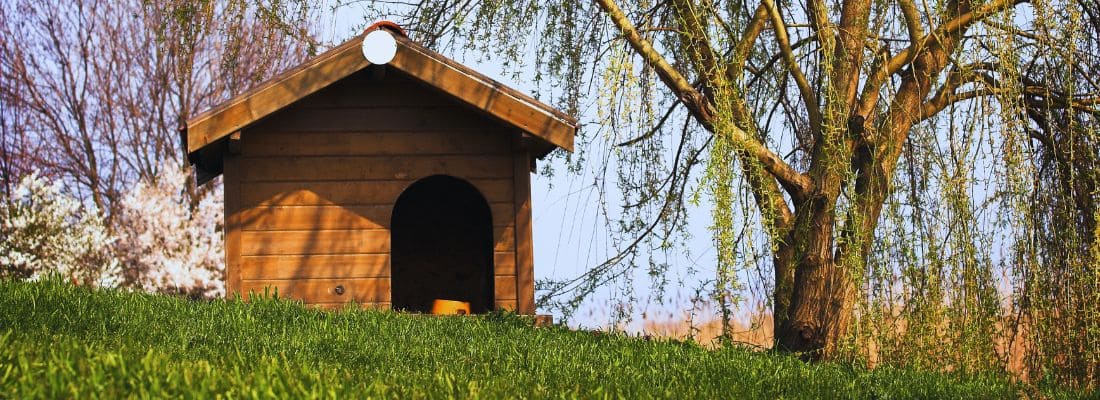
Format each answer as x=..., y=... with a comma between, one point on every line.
x=386, y=185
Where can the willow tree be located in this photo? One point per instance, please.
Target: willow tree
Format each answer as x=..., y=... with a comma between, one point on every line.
x=804, y=106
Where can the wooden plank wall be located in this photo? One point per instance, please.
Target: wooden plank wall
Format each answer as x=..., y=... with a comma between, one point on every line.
x=317, y=182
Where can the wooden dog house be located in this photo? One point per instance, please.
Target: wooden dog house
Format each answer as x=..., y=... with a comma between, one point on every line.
x=387, y=185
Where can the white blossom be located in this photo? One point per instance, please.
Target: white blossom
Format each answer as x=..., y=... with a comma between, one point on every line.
x=168, y=245
x=45, y=231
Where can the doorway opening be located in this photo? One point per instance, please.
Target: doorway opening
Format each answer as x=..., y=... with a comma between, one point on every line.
x=441, y=238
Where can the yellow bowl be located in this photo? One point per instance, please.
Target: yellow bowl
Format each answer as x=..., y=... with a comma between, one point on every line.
x=450, y=307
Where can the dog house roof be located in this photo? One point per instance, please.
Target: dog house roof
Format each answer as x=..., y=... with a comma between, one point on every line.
x=548, y=127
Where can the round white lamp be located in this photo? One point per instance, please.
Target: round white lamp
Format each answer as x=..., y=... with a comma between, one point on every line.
x=379, y=46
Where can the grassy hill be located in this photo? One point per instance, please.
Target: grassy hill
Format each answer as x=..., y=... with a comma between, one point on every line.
x=57, y=340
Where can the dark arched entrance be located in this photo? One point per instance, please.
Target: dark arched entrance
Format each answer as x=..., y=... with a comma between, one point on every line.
x=441, y=246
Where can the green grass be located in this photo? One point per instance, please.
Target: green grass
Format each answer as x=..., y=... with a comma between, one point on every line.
x=60, y=341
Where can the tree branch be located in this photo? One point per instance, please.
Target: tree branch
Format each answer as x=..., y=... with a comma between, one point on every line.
x=943, y=100
x=906, y=56
x=912, y=20
x=672, y=78
x=809, y=98
x=695, y=35
x=748, y=39
x=792, y=180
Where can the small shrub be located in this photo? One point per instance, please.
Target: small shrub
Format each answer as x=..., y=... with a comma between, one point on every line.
x=45, y=231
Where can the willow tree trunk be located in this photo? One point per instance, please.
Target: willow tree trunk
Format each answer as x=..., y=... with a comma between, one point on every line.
x=821, y=291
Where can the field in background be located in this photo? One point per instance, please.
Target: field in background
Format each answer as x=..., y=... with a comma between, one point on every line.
x=754, y=331
x=58, y=340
